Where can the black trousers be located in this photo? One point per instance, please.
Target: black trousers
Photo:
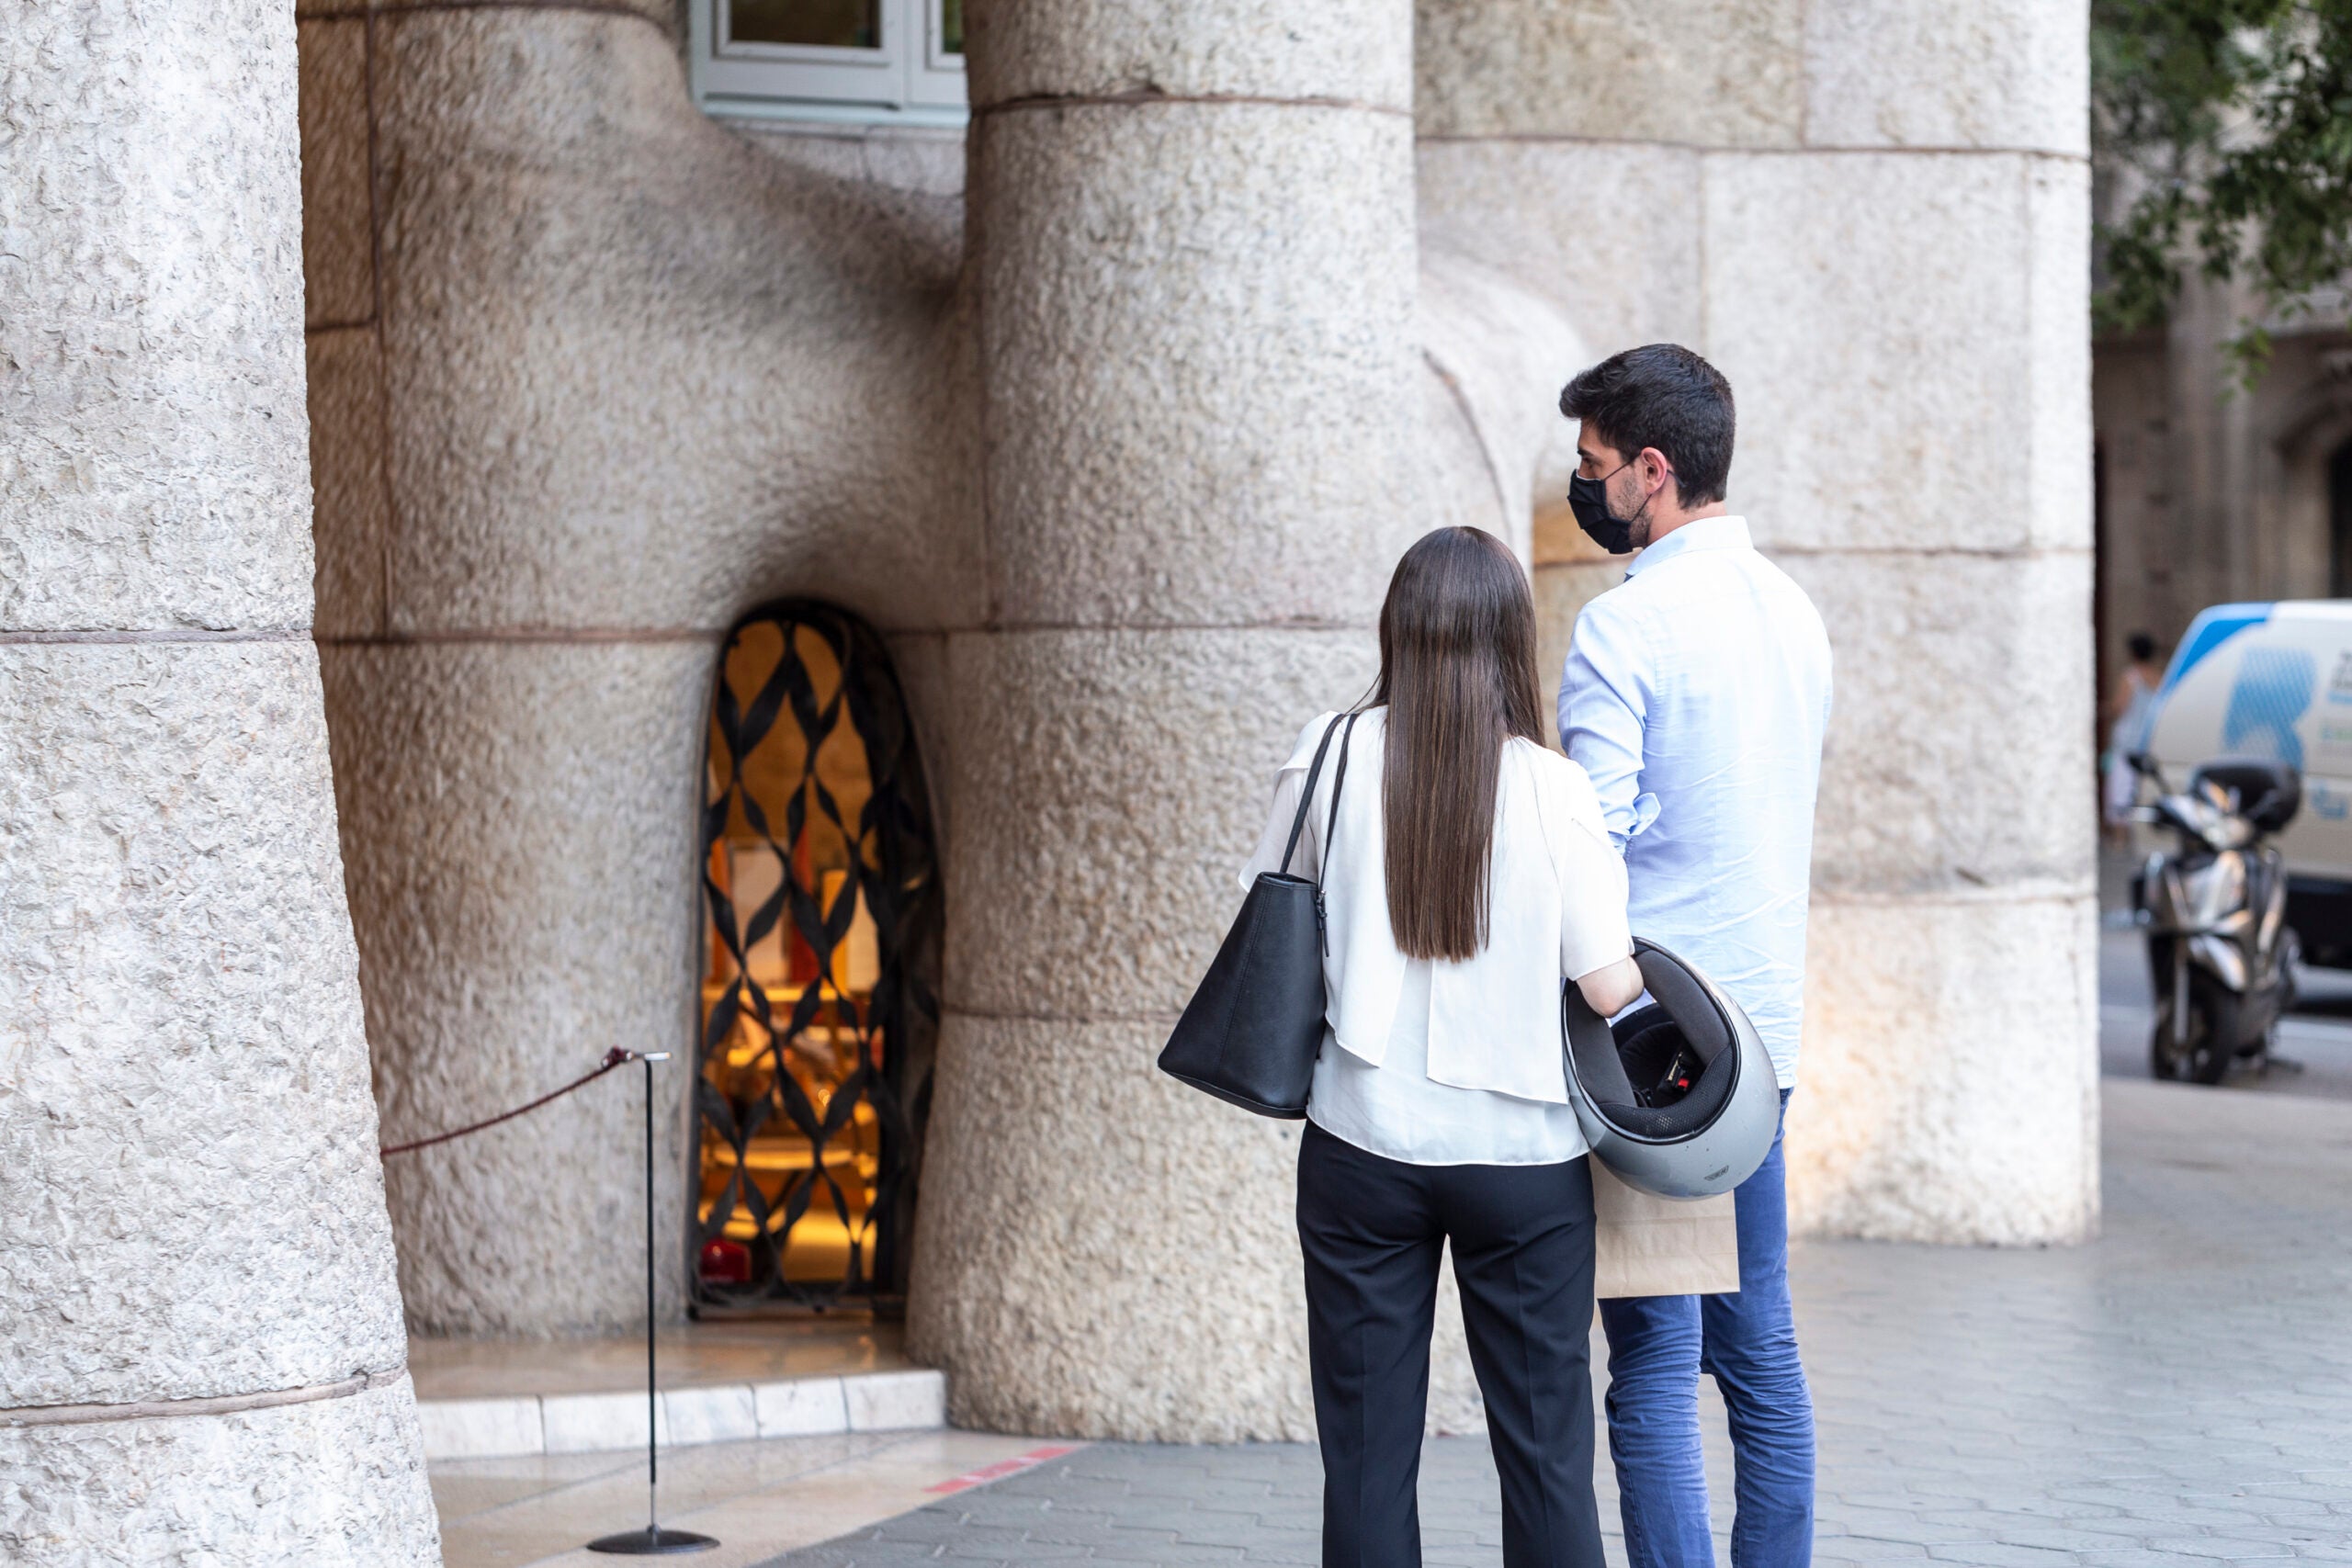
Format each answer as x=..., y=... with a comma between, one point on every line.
x=1372, y=1229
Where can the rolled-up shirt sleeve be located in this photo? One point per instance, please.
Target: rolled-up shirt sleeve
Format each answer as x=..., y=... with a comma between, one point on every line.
x=1593, y=929
x=1604, y=702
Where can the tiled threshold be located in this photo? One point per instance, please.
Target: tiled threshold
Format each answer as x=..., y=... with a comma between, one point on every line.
x=596, y=1423
x=720, y=1383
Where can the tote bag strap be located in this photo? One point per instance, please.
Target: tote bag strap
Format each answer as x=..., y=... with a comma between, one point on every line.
x=1339, y=782
x=1307, y=795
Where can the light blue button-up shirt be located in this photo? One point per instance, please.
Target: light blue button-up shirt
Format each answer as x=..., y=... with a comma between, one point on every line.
x=1695, y=696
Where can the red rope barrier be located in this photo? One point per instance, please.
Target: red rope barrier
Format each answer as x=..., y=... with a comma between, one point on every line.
x=616, y=1057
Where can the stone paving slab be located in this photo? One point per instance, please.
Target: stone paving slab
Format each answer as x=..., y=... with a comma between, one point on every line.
x=2176, y=1393
x=757, y=1499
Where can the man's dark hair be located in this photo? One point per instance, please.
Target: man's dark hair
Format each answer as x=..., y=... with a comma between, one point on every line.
x=1661, y=395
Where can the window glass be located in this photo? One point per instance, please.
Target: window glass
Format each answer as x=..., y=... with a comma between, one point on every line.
x=832, y=24
x=870, y=61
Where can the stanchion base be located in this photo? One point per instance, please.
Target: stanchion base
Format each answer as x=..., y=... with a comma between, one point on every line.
x=652, y=1542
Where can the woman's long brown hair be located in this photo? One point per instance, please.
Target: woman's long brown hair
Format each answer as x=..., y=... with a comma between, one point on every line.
x=1457, y=670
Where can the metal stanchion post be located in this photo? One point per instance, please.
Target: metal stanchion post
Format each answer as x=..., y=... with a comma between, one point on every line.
x=653, y=1541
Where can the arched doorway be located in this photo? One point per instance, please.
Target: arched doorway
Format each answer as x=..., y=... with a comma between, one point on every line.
x=819, y=981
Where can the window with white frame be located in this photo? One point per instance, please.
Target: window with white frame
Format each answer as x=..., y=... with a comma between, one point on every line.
x=873, y=61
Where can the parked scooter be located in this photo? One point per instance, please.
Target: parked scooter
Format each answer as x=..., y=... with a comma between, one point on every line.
x=2215, y=909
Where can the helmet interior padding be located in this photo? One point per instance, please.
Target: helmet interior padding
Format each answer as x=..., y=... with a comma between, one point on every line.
x=1677, y=1098
x=1646, y=1041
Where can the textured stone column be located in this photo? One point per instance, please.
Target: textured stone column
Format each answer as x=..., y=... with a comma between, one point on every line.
x=1872, y=214
x=1917, y=439
x=202, y=1355
x=1193, y=240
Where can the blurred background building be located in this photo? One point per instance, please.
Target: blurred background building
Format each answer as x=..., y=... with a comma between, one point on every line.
x=2222, y=371
x=2212, y=491
x=827, y=513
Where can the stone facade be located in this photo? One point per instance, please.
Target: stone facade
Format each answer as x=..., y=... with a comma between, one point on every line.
x=196, y=1273
x=1064, y=414
x=1112, y=418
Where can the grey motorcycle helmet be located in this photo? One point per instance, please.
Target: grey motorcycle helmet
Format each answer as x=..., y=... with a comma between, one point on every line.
x=1677, y=1096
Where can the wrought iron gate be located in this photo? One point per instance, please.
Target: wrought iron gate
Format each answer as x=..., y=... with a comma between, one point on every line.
x=820, y=888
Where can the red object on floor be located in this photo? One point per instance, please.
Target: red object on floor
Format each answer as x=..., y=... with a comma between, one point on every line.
x=1004, y=1468
x=725, y=1262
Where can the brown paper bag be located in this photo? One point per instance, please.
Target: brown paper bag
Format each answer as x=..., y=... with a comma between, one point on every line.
x=1661, y=1247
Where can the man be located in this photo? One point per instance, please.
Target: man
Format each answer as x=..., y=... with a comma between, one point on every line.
x=1695, y=696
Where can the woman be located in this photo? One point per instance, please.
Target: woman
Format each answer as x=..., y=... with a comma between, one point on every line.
x=1467, y=873
x=2126, y=711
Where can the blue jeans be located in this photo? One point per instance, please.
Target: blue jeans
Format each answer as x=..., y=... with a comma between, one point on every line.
x=1747, y=1340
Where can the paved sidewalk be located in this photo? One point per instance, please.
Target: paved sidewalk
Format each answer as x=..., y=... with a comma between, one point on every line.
x=2178, y=1393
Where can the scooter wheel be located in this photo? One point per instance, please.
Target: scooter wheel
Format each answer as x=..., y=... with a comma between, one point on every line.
x=2204, y=1057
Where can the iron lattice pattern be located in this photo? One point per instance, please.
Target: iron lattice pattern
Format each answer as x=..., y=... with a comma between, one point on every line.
x=820, y=1009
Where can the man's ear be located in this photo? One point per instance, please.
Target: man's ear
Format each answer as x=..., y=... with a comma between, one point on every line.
x=1654, y=459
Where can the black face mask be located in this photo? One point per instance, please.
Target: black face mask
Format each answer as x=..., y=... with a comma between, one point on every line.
x=1588, y=499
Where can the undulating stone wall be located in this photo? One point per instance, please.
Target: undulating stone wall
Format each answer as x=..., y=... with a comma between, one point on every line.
x=593, y=374
x=201, y=1352
x=1873, y=215
x=1121, y=481
x=592, y=377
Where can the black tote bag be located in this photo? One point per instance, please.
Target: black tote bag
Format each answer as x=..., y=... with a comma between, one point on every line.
x=1253, y=1027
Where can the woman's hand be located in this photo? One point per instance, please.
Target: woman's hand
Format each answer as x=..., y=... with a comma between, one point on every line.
x=1611, y=989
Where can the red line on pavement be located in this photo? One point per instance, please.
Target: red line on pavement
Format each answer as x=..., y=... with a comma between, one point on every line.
x=1004, y=1468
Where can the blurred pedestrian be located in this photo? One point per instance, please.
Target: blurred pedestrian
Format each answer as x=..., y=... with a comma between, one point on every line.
x=2126, y=712
x=1695, y=696
x=1465, y=873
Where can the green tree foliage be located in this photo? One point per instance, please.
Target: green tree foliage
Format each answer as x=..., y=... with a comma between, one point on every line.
x=2236, y=116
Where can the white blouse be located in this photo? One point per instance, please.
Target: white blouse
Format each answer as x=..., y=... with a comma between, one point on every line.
x=1453, y=1063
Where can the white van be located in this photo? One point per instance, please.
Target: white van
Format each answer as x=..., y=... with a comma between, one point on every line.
x=2275, y=681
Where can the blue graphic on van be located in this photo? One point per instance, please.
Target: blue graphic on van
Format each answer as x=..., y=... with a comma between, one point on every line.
x=2331, y=803
x=2213, y=626
x=2275, y=685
